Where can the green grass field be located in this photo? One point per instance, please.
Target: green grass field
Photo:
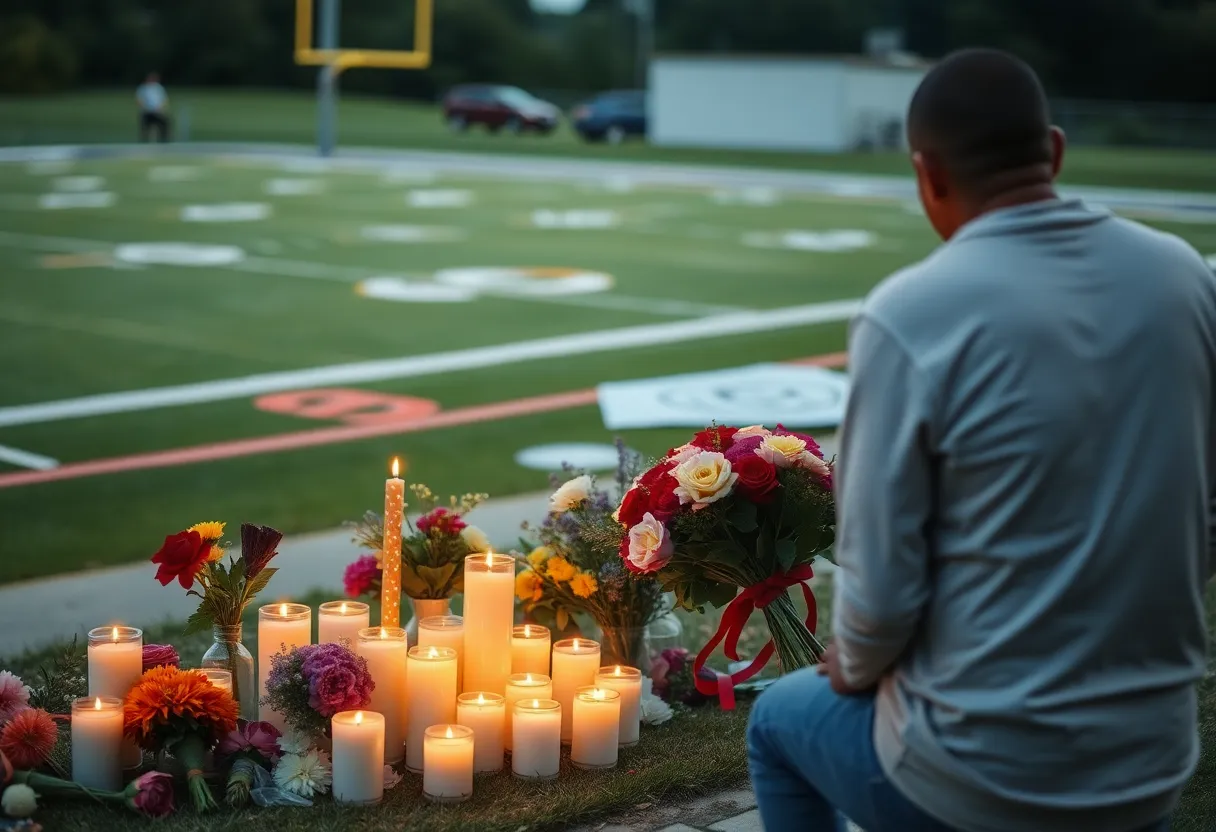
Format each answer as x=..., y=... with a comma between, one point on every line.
x=253, y=116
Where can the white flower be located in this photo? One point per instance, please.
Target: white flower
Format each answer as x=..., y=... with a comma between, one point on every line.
x=19, y=801
x=654, y=710
x=783, y=451
x=14, y=695
x=704, y=478
x=304, y=774
x=570, y=494
x=684, y=453
x=650, y=546
x=295, y=742
x=391, y=777
x=475, y=539
x=752, y=430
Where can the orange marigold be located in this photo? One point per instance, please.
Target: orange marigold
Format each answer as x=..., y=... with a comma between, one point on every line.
x=29, y=738
x=167, y=700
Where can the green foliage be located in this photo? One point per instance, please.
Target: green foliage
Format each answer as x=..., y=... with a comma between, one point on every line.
x=33, y=57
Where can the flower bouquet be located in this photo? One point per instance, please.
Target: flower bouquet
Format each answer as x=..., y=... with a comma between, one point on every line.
x=309, y=684
x=433, y=549
x=734, y=519
x=180, y=712
x=249, y=746
x=195, y=559
x=577, y=569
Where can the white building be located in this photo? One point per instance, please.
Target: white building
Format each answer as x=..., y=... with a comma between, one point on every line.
x=827, y=104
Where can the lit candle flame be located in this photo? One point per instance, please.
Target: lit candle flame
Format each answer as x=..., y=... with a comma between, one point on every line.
x=576, y=645
x=535, y=703
x=489, y=559
x=597, y=694
x=283, y=610
x=527, y=631
x=528, y=679
x=396, y=466
x=383, y=633
x=359, y=718
x=97, y=704
x=449, y=732
x=434, y=654
x=481, y=699
x=618, y=671
x=342, y=609
x=114, y=634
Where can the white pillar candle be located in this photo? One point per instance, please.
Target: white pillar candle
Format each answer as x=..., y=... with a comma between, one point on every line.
x=394, y=514
x=97, y=742
x=575, y=661
x=489, y=610
x=530, y=649
x=431, y=691
x=445, y=631
x=281, y=627
x=447, y=775
x=597, y=725
x=339, y=622
x=524, y=686
x=485, y=713
x=536, y=728
x=627, y=681
x=116, y=661
x=221, y=679
x=384, y=649
x=358, y=758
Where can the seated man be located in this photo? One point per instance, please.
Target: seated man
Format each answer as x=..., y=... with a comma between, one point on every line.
x=153, y=104
x=1024, y=494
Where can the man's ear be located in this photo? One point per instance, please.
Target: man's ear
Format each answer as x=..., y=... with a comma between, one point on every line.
x=931, y=175
x=1058, y=143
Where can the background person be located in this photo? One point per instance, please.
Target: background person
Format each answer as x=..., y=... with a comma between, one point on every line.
x=153, y=104
x=1024, y=494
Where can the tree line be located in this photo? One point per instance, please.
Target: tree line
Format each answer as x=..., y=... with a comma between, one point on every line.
x=1151, y=50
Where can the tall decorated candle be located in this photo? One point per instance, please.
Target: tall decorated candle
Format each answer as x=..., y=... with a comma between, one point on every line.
x=339, y=622
x=394, y=515
x=281, y=628
x=485, y=713
x=522, y=686
x=384, y=648
x=530, y=649
x=627, y=681
x=116, y=661
x=489, y=610
x=358, y=758
x=97, y=742
x=431, y=691
x=575, y=661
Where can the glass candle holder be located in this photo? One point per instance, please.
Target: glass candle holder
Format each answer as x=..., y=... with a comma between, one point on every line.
x=447, y=775
x=485, y=713
x=530, y=649
x=597, y=723
x=445, y=631
x=384, y=649
x=116, y=661
x=575, y=661
x=522, y=686
x=536, y=743
x=339, y=622
x=430, y=684
x=221, y=679
x=281, y=628
x=358, y=757
x=489, y=613
x=627, y=681
x=97, y=742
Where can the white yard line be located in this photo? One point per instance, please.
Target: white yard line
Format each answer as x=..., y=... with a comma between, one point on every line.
x=367, y=372
x=25, y=459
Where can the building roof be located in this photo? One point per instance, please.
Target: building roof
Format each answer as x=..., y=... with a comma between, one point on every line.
x=897, y=60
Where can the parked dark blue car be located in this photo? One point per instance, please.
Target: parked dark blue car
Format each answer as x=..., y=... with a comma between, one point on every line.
x=611, y=116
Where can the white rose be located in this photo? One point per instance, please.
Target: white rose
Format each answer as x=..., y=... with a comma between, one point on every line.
x=654, y=710
x=782, y=451
x=684, y=453
x=475, y=539
x=752, y=430
x=814, y=464
x=571, y=494
x=19, y=801
x=649, y=544
x=704, y=478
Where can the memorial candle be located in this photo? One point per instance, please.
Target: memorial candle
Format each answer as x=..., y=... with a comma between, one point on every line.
x=530, y=649
x=536, y=739
x=524, y=686
x=447, y=775
x=394, y=515
x=445, y=631
x=281, y=627
x=431, y=691
x=627, y=681
x=358, y=758
x=116, y=661
x=221, y=679
x=597, y=723
x=575, y=661
x=339, y=622
x=97, y=743
x=384, y=649
x=485, y=713
x=489, y=610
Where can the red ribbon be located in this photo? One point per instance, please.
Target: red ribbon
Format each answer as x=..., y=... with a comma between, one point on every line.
x=735, y=616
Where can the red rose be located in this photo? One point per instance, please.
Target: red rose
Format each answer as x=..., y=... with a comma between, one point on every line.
x=633, y=507
x=715, y=439
x=664, y=503
x=182, y=556
x=757, y=478
x=656, y=475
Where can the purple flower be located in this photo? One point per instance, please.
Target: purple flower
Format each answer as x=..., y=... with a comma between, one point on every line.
x=337, y=679
x=259, y=737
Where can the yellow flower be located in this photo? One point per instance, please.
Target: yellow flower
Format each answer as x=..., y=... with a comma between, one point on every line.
x=217, y=553
x=560, y=570
x=211, y=530
x=704, y=478
x=583, y=585
x=528, y=586
x=475, y=539
x=539, y=555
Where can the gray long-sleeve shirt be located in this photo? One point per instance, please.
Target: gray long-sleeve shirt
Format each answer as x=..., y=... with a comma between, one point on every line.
x=1024, y=478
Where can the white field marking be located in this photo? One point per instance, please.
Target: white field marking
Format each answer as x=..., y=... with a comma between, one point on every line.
x=293, y=187
x=226, y=212
x=401, y=290
x=757, y=195
x=174, y=173
x=838, y=240
x=77, y=184
x=581, y=219
x=178, y=254
x=411, y=233
x=444, y=198
x=517, y=282
x=415, y=366
x=88, y=199
x=25, y=459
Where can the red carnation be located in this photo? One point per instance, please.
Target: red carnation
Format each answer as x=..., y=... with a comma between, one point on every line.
x=441, y=520
x=715, y=439
x=757, y=478
x=181, y=556
x=742, y=449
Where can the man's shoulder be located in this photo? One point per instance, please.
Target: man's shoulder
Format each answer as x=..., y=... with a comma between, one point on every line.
x=915, y=289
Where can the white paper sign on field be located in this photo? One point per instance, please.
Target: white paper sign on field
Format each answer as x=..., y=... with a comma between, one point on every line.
x=759, y=394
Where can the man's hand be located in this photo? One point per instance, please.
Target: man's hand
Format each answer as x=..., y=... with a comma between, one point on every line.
x=830, y=667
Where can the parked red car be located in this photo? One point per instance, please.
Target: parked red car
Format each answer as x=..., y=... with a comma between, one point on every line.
x=498, y=108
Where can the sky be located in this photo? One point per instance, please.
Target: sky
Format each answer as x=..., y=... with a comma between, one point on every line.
x=558, y=6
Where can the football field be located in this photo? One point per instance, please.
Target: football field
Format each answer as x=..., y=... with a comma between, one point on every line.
x=250, y=338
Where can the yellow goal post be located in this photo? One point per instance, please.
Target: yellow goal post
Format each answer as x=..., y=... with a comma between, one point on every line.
x=341, y=59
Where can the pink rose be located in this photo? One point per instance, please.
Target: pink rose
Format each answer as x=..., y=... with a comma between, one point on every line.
x=650, y=546
x=151, y=794
x=259, y=737
x=157, y=655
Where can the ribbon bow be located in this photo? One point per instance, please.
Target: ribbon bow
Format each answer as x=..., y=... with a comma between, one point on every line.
x=735, y=616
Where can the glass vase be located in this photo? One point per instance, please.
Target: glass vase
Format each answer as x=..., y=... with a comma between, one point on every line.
x=424, y=608
x=228, y=653
x=627, y=646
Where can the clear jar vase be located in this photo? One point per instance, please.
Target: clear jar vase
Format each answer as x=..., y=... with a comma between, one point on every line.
x=228, y=653
x=627, y=646
x=424, y=608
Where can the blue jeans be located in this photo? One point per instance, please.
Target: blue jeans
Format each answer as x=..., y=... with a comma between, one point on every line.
x=813, y=763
